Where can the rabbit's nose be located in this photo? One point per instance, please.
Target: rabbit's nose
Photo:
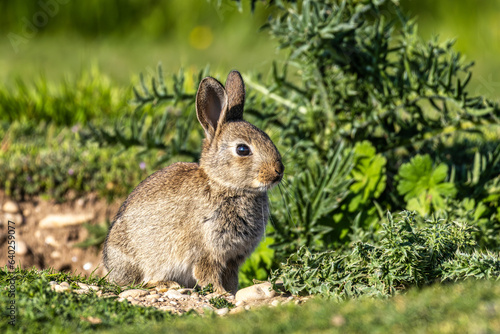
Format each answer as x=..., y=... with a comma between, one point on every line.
x=279, y=168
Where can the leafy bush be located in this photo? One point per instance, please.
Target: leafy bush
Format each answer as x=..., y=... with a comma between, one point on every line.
x=403, y=254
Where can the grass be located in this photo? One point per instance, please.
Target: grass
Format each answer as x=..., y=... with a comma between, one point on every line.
x=470, y=306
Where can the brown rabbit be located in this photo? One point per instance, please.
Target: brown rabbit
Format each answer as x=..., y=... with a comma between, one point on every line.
x=196, y=223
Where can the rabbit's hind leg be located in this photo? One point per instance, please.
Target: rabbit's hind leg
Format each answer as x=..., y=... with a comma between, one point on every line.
x=121, y=269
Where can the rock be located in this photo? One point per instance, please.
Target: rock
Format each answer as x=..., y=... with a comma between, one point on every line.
x=64, y=284
x=51, y=241
x=167, y=308
x=153, y=297
x=275, y=302
x=222, y=311
x=80, y=291
x=17, y=218
x=256, y=292
x=55, y=254
x=239, y=303
x=87, y=287
x=174, y=294
x=21, y=248
x=93, y=320
x=337, y=321
x=60, y=288
x=135, y=302
x=63, y=220
x=10, y=207
x=237, y=309
x=134, y=293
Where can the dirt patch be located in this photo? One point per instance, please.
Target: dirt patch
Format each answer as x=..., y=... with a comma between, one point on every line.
x=54, y=247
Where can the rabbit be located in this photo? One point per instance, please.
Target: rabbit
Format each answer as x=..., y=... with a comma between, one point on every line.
x=192, y=223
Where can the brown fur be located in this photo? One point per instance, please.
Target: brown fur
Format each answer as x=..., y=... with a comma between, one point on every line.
x=197, y=223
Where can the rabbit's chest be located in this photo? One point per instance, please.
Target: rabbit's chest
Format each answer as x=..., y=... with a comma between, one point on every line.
x=236, y=227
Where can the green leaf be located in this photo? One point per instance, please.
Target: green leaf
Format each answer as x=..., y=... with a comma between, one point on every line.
x=422, y=184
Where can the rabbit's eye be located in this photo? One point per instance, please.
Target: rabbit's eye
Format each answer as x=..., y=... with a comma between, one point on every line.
x=243, y=150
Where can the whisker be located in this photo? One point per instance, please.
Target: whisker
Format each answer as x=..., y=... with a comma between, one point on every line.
x=287, y=209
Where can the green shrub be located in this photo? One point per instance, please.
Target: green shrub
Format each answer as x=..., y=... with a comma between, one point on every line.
x=404, y=253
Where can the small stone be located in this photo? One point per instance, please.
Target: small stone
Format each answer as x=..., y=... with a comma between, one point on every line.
x=55, y=254
x=161, y=300
x=173, y=303
x=237, y=310
x=82, y=285
x=21, y=248
x=134, y=293
x=122, y=299
x=63, y=220
x=297, y=302
x=17, y=218
x=93, y=320
x=239, y=303
x=247, y=307
x=80, y=202
x=337, y=321
x=167, y=308
x=174, y=294
x=222, y=311
x=135, y=302
x=80, y=291
x=151, y=297
x=275, y=302
x=10, y=207
x=52, y=283
x=51, y=241
x=64, y=284
x=256, y=292
x=61, y=288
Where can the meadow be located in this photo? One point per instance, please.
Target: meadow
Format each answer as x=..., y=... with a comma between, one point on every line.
x=389, y=210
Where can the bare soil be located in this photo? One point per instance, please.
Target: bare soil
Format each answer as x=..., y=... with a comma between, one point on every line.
x=55, y=247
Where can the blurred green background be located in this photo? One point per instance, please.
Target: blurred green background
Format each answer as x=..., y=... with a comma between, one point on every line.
x=56, y=38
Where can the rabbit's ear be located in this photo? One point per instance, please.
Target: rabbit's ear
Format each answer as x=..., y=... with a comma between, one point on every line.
x=235, y=89
x=211, y=103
